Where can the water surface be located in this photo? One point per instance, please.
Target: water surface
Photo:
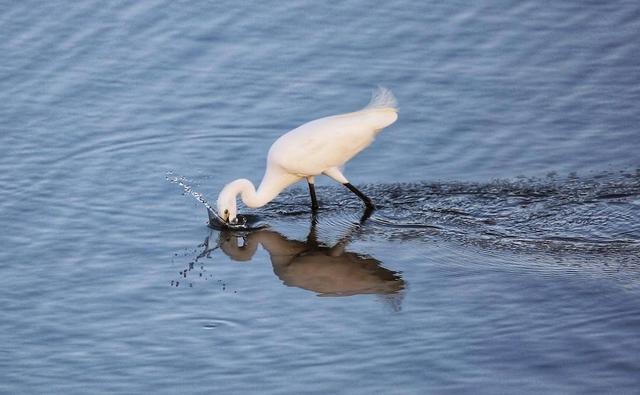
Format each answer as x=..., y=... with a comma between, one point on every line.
x=503, y=256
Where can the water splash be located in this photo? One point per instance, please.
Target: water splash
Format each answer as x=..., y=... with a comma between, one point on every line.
x=245, y=222
x=188, y=189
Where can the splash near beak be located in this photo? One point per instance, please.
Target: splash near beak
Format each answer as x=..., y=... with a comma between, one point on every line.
x=215, y=220
x=219, y=223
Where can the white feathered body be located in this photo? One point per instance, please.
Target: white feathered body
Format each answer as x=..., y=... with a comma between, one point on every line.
x=328, y=142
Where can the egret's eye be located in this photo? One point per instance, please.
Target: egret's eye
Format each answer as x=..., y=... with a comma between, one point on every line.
x=226, y=211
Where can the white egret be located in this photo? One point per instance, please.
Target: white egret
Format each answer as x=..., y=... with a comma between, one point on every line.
x=318, y=147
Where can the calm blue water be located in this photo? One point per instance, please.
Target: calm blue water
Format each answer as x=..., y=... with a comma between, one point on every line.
x=504, y=256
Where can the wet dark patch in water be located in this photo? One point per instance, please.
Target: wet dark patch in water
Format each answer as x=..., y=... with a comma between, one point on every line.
x=245, y=222
x=599, y=214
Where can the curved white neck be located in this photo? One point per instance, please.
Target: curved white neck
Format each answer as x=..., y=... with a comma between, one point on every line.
x=248, y=193
x=272, y=184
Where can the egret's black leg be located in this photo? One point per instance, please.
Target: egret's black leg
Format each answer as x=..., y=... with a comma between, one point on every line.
x=314, y=200
x=362, y=196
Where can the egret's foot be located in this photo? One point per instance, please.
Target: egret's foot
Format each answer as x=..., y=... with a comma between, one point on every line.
x=367, y=213
x=369, y=205
x=367, y=201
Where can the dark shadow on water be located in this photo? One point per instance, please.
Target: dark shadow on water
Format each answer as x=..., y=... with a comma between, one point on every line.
x=599, y=213
x=252, y=222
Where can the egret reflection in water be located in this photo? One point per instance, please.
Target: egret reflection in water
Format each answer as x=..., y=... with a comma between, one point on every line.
x=312, y=265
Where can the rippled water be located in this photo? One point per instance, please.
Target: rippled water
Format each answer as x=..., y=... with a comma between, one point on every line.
x=504, y=256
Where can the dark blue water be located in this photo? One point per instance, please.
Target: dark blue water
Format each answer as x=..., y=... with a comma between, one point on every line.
x=504, y=256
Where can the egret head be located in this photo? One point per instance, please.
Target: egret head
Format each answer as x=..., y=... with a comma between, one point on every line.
x=227, y=208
